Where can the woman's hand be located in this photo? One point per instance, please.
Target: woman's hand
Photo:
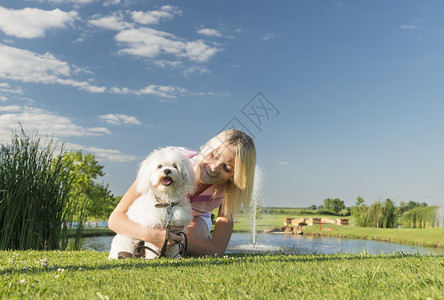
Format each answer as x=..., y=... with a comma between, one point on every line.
x=157, y=236
x=174, y=237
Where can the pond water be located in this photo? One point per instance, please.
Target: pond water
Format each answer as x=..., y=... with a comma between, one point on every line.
x=292, y=244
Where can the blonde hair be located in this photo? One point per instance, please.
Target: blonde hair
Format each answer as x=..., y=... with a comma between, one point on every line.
x=239, y=189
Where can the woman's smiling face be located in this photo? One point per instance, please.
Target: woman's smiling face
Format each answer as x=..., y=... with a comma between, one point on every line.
x=218, y=166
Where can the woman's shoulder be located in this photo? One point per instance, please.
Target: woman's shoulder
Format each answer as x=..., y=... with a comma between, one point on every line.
x=187, y=152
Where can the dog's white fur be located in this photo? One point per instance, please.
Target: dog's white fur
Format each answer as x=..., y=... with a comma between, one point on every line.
x=149, y=184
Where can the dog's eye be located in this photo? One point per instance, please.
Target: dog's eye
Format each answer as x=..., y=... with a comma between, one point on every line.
x=159, y=166
x=174, y=166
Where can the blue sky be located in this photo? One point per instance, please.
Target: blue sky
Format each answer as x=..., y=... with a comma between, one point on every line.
x=349, y=94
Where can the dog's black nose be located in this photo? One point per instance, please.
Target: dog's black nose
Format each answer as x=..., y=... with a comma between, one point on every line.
x=167, y=171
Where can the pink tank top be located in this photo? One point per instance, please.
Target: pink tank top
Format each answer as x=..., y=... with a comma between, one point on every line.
x=205, y=202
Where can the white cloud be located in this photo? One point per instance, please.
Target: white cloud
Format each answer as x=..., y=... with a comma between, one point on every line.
x=23, y=65
x=113, y=22
x=4, y=85
x=6, y=90
x=33, y=22
x=123, y=90
x=75, y=2
x=26, y=66
x=166, y=92
x=148, y=42
x=153, y=89
x=118, y=119
x=168, y=63
x=116, y=21
x=110, y=2
x=104, y=154
x=44, y=122
x=282, y=162
x=216, y=94
x=155, y=16
x=10, y=108
x=270, y=36
x=167, y=101
x=196, y=69
x=50, y=124
x=161, y=91
x=209, y=32
x=408, y=27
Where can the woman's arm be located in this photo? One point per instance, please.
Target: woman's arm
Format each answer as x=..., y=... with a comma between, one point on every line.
x=218, y=244
x=121, y=224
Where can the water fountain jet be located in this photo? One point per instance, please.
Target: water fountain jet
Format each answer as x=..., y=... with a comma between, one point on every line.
x=255, y=201
x=440, y=216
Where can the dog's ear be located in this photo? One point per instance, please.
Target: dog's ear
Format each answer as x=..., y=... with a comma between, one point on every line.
x=187, y=172
x=143, y=180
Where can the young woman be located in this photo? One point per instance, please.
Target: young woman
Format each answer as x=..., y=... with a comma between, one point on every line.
x=224, y=170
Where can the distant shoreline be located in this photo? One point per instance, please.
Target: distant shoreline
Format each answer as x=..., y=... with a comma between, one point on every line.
x=432, y=237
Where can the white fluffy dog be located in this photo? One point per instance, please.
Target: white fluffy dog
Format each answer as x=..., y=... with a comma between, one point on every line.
x=165, y=178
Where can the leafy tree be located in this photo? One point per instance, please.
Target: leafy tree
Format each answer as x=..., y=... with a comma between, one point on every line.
x=88, y=197
x=91, y=198
x=359, y=212
x=379, y=215
x=389, y=214
x=334, y=205
x=328, y=204
x=412, y=204
x=312, y=207
x=338, y=205
x=102, y=202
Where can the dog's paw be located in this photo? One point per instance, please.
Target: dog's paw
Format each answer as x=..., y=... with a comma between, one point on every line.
x=124, y=255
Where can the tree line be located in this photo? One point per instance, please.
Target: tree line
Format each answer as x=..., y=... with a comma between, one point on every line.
x=330, y=206
x=381, y=214
x=384, y=214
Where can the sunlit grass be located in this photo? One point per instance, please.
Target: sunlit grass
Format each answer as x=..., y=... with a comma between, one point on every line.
x=90, y=275
x=430, y=237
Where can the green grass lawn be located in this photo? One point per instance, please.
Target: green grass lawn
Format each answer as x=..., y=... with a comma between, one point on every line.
x=431, y=237
x=90, y=275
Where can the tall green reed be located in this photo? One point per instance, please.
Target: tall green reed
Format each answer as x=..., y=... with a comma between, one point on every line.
x=421, y=217
x=34, y=189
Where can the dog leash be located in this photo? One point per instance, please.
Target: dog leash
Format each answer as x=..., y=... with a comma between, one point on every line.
x=140, y=249
x=169, y=210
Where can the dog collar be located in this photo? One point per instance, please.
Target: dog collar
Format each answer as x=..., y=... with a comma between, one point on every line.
x=162, y=205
